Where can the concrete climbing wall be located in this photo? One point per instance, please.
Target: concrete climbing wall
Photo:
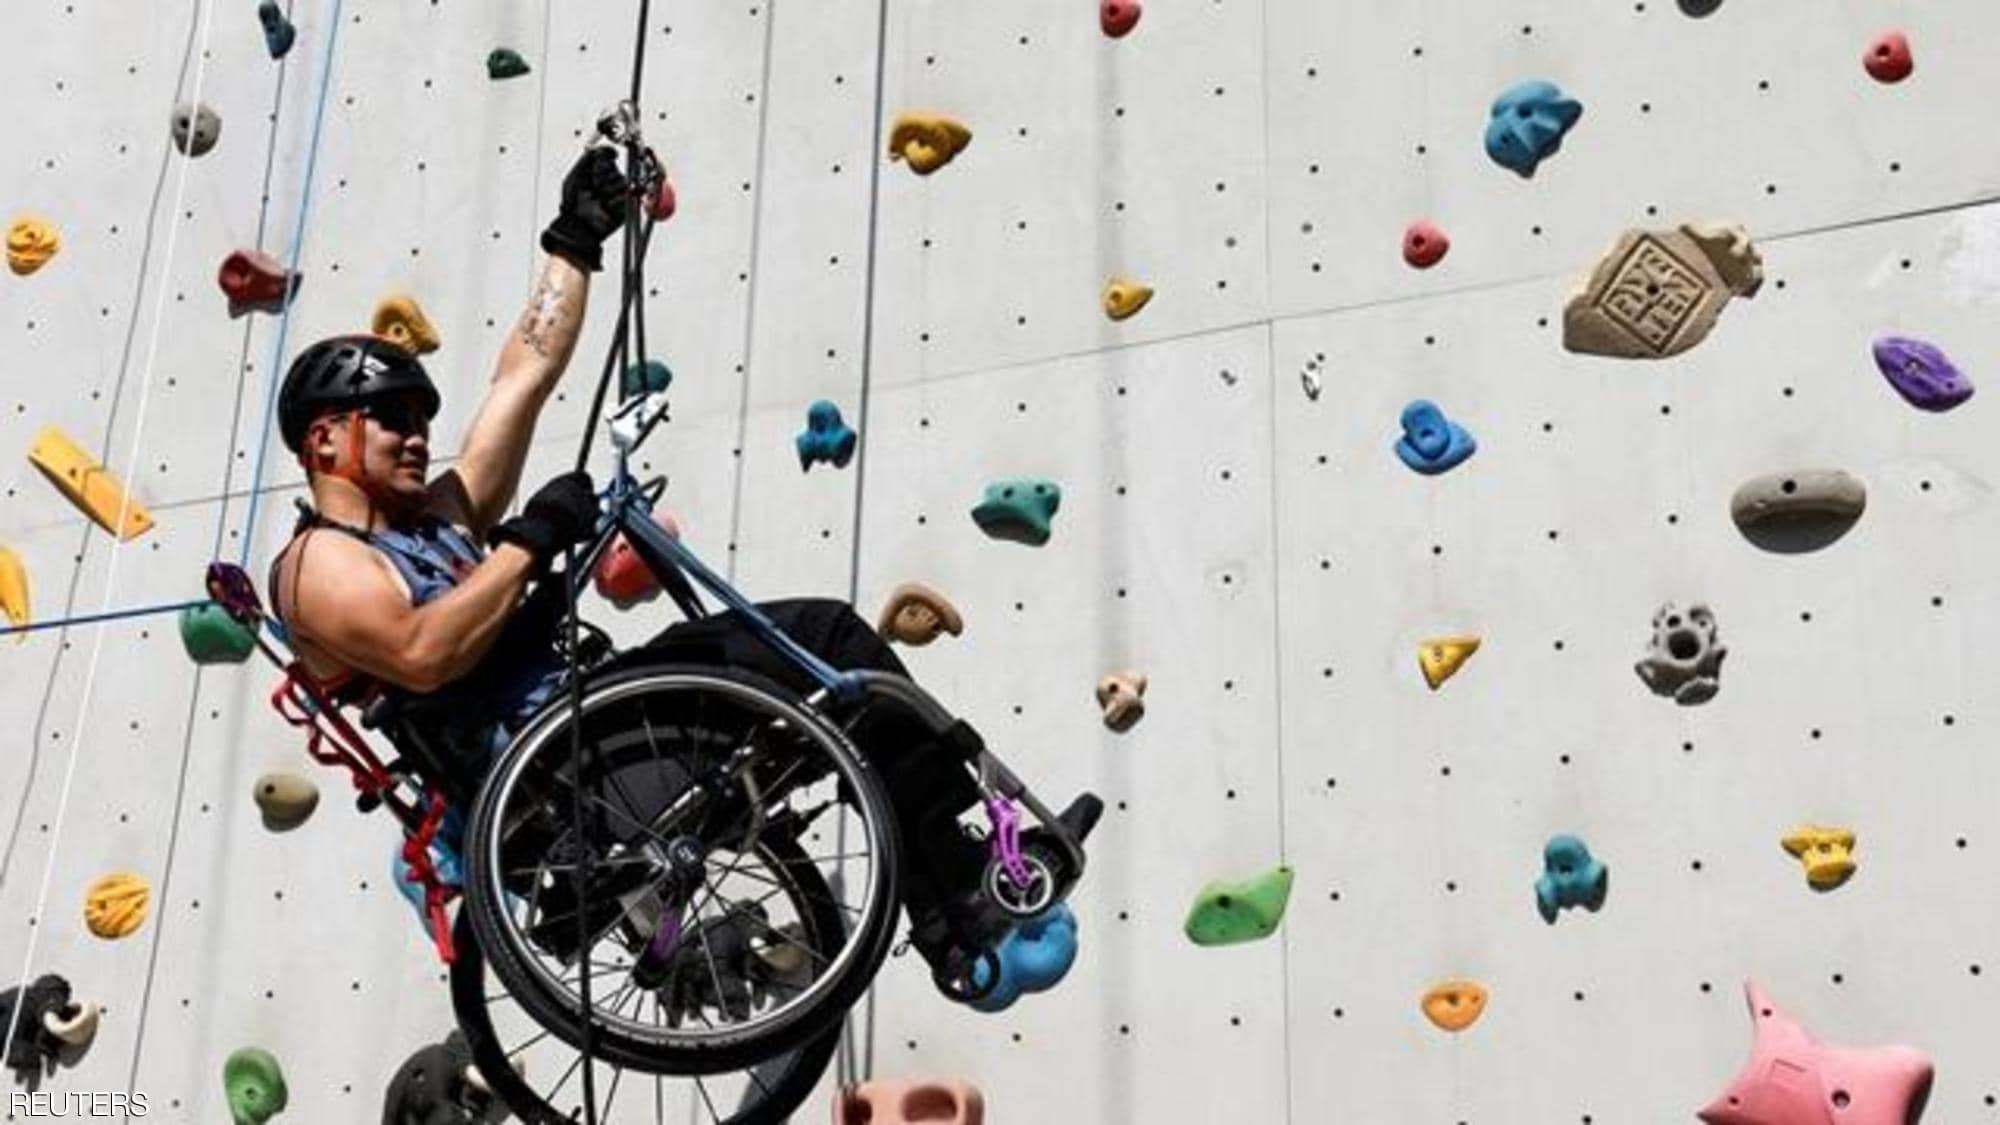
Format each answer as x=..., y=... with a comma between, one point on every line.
x=1260, y=553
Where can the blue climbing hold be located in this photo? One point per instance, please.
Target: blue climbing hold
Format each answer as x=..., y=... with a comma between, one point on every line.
x=825, y=438
x=1529, y=120
x=279, y=33
x=1019, y=510
x=1034, y=956
x=1570, y=877
x=1431, y=442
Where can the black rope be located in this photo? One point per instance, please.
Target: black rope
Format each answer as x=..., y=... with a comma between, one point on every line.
x=638, y=231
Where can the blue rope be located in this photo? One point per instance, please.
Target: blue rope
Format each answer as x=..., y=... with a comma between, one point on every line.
x=285, y=319
x=113, y=615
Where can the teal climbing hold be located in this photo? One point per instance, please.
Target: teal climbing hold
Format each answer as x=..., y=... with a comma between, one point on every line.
x=1571, y=876
x=1527, y=125
x=1034, y=957
x=211, y=636
x=279, y=34
x=505, y=62
x=1019, y=510
x=645, y=378
x=1229, y=913
x=255, y=1086
x=826, y=438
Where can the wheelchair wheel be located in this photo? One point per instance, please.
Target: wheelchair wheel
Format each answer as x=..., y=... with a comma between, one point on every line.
x=742, y=868
x=538, y=1077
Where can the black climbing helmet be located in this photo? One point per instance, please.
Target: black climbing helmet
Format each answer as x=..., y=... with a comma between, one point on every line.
x=344, y=372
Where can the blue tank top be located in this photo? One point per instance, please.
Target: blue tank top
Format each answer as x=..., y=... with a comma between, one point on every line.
x=518, y=675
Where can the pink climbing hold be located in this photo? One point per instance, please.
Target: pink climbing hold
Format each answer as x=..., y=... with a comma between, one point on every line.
x=1424, y=244
x=1792, y=1079
x=1117, y=17
x=1888, y=58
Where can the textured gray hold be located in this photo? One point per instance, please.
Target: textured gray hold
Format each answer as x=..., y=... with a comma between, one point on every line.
x=1806, y=494
x=1684, y=658
x=196, y=128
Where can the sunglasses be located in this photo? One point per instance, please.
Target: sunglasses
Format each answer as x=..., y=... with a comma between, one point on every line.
x=398, y=416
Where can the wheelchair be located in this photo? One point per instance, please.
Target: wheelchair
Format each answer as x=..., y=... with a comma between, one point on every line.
x=687, y=872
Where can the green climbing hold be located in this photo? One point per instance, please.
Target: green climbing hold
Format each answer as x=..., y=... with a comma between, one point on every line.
x=211, y=636
x=505, y=62
x=643, y=379
x=255, y=1085
x=1019, y=510
x=1229, y=913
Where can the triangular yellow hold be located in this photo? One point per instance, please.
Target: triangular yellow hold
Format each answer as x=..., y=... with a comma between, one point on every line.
x=1441, y=657
x=1124, y=297
x=13, y=590
x=89, y=485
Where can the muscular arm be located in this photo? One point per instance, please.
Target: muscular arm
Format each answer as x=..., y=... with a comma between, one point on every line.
x=344, y=598
x=476, y=491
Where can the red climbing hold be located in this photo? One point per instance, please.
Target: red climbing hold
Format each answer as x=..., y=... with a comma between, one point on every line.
x=1118, y=17
x=622, y=577
x=1888, y=58
x=256, y=282
x=661, y=205
x=1424, y=245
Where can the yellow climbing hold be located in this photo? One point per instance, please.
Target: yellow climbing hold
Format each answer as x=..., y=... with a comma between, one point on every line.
x=401, y=321
x=927, y=141
x=1123, y=297
x=1828, y=854
x=1441, y=657
x=31, y=242
x=115, y=905
x=89, y=485
x=1455, y=1005
x=14, y=590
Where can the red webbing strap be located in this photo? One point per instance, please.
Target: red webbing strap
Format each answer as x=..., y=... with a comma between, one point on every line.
x=417, y=853
x=299, y=700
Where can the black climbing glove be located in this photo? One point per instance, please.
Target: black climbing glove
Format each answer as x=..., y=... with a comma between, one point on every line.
x=562, y=514
x=595, y=199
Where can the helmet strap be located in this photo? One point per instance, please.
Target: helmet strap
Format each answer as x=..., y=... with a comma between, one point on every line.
x=355, y=469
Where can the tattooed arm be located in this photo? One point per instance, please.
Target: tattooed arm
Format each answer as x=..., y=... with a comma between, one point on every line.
x=476, y=491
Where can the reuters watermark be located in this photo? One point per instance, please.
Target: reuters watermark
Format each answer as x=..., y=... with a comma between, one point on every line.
x=74, y=1104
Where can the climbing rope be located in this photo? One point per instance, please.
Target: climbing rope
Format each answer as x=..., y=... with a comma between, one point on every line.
x=116, y=550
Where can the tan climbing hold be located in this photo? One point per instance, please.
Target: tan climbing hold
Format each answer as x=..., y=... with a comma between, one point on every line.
x=1658, y=293
x=286, y=800
x=31, y=242
x=400, y=320
x=75, y=1025
x=909, y=1103
x=1122, y=695
x=1455, y=1005
x=1442, y=657
x=115, y=905
x=13, y=590
x=1828, y=854
x=89, y=485
x=927, y=141
x=915, y=614
x=1124, y=297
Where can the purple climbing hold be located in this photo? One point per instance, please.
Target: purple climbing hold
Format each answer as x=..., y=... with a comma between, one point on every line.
x=1921, y=373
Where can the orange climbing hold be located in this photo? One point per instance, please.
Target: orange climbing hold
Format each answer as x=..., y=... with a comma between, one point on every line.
x=1441, y=658
x=1455, y=1005
x=927, y=141
x=31, y=242
x=115, y=905
x=1124, y=297
x=89, y=485
x=915, y=614
x=400, y=320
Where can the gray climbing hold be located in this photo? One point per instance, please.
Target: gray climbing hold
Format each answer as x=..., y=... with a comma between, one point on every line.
x=196, y=128
x=1684, y=658
x=1799, y=510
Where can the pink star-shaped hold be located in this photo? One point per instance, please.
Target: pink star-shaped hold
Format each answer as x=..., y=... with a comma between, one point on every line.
x=1792, y=1079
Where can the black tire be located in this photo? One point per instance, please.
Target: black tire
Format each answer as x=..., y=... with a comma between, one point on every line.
x=786, y=1081
x=705, y=692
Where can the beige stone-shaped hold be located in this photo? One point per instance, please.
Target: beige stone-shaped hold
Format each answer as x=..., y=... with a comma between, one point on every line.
x=286, y=800
x=915, y=614
x=1658, y=293
x=401, y=321
x=909, y=1103
x=1804, y=495
x=1122, y=696
x=927, y=141
x=1123, y=297
x=75, y=1025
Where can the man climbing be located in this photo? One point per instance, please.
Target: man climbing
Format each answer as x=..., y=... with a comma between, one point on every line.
x=384, y=587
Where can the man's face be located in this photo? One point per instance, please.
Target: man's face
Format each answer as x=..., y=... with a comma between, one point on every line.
x=395, y=446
